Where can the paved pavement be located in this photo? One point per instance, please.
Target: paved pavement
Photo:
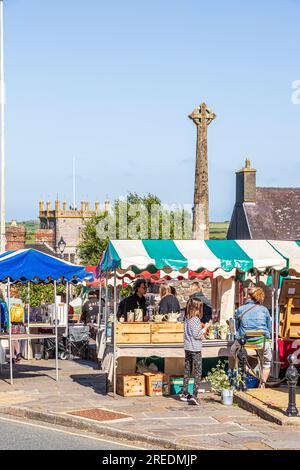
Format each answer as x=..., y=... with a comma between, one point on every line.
x=209, y=426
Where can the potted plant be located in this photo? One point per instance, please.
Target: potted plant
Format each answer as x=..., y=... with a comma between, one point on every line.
x=221, y=384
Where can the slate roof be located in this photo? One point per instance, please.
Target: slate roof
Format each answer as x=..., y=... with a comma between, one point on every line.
x=275, y=215
x=43, y=247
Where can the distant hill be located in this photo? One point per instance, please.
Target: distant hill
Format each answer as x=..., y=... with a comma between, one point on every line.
x=217, y=230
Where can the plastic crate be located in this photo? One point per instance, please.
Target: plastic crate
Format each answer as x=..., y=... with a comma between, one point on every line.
x=176, y=385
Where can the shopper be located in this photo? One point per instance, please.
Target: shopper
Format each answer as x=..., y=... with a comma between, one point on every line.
x=17, y=319
x=169, y=302
x=197, y=293
x=193, y=335
x=90, y=309
x=253, y=316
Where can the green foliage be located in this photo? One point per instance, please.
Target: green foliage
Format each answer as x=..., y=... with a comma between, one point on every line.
x=218, y=378
x=40, y=293
x=125, y=291
x=91, y=245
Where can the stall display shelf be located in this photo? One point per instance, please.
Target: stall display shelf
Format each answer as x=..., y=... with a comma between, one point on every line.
x=43, y=325
x=28, y=336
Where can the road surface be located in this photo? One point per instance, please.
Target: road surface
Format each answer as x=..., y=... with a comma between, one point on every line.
x=18, y=434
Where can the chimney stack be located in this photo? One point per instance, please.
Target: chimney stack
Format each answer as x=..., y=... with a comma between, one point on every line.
x=246, y=184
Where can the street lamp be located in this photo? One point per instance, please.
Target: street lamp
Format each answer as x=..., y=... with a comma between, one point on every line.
x=61, y=246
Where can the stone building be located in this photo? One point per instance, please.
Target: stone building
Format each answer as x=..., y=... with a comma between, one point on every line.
x=63, y=222
x=263, y=213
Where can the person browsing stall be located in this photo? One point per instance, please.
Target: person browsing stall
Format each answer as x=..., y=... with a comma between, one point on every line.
x=168, y=303
x=254, y=316
x=90, y=309
x=193, y=336
x=197, y=294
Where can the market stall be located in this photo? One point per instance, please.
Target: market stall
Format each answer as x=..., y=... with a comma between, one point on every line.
x=224, y=258
x=31, y=266
x=288, y=302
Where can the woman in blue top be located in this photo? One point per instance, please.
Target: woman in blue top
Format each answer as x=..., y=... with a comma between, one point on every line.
x=255, y=317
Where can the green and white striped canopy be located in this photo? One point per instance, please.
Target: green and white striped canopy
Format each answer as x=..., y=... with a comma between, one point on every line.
x=194, y=255
x=291, y=251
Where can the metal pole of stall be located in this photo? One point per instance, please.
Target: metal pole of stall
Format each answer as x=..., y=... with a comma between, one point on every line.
x=115, y=332
x=106, y=298
x=277, y=323
x=28, y=318
x=67, y=304
x=100, y=303
x=56, y=332
x=273, y=321
x=10, y=338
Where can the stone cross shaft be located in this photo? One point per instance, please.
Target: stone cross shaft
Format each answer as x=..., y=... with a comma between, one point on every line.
x=202, y=116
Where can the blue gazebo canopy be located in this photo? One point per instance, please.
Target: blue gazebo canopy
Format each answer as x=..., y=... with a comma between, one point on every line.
x=32, y=265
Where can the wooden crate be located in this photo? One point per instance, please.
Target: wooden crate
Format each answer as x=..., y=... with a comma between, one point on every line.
x=133, y=333
x=157, y=384
x=166, y=333
x=131, y=385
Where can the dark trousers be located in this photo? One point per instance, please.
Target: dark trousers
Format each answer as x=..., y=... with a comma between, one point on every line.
x=192, y=369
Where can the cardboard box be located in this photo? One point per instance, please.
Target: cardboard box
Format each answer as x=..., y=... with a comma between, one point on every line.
x=132, y=385
x=156, y=384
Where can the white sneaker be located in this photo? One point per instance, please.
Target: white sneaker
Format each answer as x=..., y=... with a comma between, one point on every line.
x=184, y=397
x=193, y=400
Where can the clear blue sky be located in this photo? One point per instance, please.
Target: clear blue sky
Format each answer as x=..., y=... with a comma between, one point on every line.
x=112, y=83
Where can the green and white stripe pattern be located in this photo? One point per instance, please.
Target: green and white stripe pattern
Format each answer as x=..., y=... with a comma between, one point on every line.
x=194, y=255
x=291, y=251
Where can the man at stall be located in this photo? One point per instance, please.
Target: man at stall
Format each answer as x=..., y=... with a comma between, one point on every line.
x=134, y=301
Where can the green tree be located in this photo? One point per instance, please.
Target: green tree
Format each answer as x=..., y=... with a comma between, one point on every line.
x=40, y=293
x=91, y=245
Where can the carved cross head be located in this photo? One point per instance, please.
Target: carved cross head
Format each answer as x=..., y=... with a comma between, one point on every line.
x=202, y=115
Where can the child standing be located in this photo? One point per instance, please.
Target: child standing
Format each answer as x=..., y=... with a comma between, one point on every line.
x=193, y=335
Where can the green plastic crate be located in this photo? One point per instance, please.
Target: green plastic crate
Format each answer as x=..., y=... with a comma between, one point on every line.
x=176, y=385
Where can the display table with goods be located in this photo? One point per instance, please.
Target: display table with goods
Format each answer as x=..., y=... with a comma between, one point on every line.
x=226, y=259
x=137, y=340
x=31, y=266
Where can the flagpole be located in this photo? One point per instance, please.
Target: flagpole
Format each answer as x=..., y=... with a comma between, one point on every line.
x=2, y=142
